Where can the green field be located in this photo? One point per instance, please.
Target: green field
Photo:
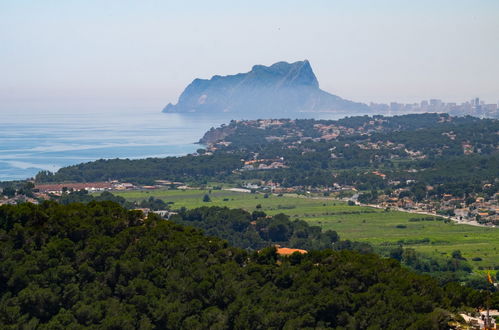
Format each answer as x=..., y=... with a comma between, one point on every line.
x=352, y=222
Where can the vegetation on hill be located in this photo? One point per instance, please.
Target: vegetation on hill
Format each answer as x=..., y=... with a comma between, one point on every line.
x=100, y=265
x=145, y=171
x=256, y=230
x=82, y=196
x=427, y=149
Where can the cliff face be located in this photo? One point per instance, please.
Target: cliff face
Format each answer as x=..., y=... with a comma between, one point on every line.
x=216, y=134
x=282, y=89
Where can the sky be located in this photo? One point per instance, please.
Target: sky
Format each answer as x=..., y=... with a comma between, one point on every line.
x=79, y=55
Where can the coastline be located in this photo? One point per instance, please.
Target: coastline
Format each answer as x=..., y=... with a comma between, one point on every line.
x=33, y=142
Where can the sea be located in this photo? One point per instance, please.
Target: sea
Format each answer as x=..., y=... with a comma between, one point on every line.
x=32, y=141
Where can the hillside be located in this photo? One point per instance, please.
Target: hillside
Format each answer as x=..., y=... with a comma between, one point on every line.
x=99, y=265
x=366, y=152
x=282, y=89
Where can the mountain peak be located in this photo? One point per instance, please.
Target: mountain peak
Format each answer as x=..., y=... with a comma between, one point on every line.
x=297, y=73
x=279, y=89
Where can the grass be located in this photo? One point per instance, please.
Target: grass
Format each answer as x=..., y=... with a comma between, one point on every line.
x=356, y=223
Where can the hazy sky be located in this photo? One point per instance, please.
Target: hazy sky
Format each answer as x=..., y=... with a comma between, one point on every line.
x=122, y=54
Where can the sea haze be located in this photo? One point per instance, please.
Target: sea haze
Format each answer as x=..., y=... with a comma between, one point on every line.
x=30, y=141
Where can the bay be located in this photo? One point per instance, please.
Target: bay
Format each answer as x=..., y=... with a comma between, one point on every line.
x=32, y=141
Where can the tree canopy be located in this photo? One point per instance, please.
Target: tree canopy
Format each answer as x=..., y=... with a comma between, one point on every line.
x=99, y=265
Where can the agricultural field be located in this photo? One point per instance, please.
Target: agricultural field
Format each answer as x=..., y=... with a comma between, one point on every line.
x=358, y=223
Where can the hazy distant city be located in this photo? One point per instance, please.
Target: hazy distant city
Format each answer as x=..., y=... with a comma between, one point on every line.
x=474, y=107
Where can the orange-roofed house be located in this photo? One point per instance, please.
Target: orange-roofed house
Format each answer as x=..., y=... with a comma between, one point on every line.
x=287, y=251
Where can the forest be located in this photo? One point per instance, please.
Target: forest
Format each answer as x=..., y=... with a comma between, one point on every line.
x=101, y=265
x=256, y=230
x=145, y=171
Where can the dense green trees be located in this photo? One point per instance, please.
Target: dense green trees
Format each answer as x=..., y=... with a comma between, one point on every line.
x=145, y=171
x=445, y=270
x=82, y=196
x=101, y=266
x=11, y=188
x=256, y=230
x=9, y=192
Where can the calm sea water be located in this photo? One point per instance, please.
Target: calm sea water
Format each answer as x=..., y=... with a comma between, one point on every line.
x=30, y=141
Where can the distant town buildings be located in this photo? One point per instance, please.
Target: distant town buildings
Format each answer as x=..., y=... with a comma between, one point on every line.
x=474, y=107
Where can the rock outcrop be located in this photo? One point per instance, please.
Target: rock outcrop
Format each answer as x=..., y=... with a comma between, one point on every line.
x=282, y=89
